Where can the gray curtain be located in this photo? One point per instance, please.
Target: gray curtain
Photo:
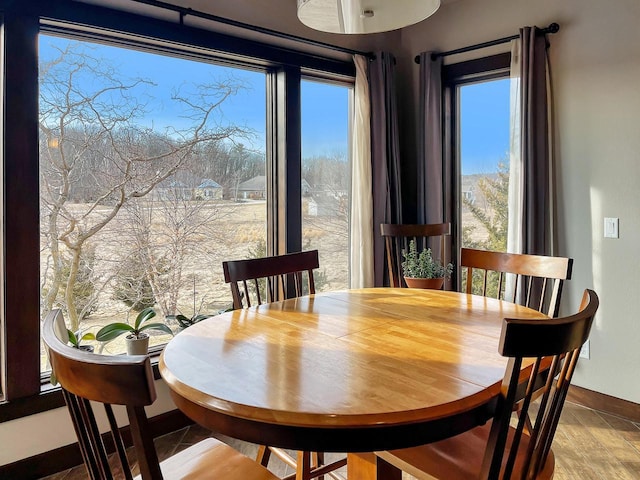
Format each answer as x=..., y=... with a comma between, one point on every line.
x=430, y=208
x=385, y=156
x=537, y=215
x=433, y=177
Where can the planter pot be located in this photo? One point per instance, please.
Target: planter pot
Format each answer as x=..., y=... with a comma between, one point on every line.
x=137, y=346
x=433, y=283
x=86, y=348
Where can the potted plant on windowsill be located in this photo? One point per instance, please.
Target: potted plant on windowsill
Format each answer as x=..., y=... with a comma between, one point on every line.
x=76, y=339
x=420, y=270
x=137, y=338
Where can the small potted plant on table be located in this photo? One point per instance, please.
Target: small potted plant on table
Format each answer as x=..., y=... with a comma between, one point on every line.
x=137, y=339
x=420, y=270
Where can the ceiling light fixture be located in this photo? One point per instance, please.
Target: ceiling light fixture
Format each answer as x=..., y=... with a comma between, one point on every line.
x=364, y=16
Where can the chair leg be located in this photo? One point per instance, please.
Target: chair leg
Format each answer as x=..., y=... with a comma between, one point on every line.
x=317, y=460
x=306, y=465
x=303, y=472
x=263, y=456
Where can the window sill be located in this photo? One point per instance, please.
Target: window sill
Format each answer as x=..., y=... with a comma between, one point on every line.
x=49, y=398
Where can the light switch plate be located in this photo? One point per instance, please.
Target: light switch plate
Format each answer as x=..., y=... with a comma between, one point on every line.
x=610, y=227
x=585, y=350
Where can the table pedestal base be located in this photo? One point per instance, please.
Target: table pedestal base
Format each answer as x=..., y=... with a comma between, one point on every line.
x=366, y=466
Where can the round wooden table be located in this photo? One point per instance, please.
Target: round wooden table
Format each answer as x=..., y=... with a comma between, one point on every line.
x=347, y=371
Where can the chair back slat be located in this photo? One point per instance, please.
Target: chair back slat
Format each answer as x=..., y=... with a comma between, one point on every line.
x=118, y=441
x=556, y=342
x=89, y=440
x=281, y=277
x=536, y=280
x=397, y=238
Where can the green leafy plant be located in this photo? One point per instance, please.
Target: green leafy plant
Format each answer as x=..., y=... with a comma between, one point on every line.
x=185, y=321
x=492, y=217
x=114, y=330
x=422, y=264
x=76, y=338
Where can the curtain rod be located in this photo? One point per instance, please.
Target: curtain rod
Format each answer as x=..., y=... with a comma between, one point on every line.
x=552, y=28
x=183, y=12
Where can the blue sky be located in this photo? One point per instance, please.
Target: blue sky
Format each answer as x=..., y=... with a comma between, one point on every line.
x=484, y=106
x=325, y=106
x=484, y=112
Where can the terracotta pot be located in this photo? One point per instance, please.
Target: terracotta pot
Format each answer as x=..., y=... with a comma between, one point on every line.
x=137, y=346
x=433, y=283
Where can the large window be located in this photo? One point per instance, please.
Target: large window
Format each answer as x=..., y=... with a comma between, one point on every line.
x=139, y=164
x=478, y=96
x=484, y=164
x=152, y=172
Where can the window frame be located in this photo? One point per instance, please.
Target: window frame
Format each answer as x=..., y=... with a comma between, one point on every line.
x=25, y=390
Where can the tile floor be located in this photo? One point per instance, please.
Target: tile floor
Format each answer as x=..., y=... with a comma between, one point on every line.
x=589, y=445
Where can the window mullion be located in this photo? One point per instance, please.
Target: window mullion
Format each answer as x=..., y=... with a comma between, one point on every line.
x=284, y=163
x=21, y=299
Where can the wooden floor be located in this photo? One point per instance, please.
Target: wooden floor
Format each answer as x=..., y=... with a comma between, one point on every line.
x=588, y=445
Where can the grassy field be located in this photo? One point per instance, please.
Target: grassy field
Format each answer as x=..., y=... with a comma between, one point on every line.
x=227, y=231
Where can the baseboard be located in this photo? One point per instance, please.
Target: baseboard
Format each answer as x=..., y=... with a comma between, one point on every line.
x=62, y=458
x=604, y=403
x=66, y=457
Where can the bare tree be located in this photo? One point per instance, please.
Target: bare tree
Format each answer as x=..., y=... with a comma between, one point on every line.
x=169, y=232
x=98, y=152
x=326, y=214
x=492, y=214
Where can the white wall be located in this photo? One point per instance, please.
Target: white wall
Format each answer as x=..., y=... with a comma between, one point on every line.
x=46, y=431
x=595, y=62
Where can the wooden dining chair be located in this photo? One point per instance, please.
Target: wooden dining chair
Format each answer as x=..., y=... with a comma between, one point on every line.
x=537, y=280
x=128, y=380
x=266, y=280
x=269, y=279
x=397, y=238
x=497, y=450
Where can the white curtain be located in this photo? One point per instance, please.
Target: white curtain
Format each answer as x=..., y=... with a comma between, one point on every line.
x=515, y=208
x=361, y=226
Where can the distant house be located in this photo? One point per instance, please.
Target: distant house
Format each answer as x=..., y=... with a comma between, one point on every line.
x=172, y=190
x=468, y=189
x=208, y=190
x=305, y=187
x=323, y=206
x=471, y=191
x=254, y=188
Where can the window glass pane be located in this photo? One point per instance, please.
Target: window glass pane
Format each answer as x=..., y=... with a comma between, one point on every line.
x=151, y=174
x=326, y=180
x=484, y=157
